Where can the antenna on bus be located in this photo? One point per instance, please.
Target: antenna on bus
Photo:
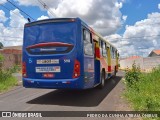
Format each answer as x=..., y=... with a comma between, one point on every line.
x=29, y=20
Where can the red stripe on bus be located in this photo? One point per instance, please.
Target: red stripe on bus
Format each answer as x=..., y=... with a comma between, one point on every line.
x=97, y=52
x=109, y=68
x=50, y=44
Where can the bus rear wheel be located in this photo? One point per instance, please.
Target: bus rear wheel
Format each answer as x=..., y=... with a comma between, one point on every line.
x=101, y=85
x=115, y=71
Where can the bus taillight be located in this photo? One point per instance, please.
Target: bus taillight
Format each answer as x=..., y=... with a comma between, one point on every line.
x=76, y=72
x=24, y=72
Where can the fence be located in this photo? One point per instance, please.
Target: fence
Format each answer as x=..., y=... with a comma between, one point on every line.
x=146, y=64
x=11, y=57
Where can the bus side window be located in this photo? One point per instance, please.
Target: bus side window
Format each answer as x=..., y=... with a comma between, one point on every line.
x=112, y=54
x=101, y=46
x=88, y=47
x=104, y=52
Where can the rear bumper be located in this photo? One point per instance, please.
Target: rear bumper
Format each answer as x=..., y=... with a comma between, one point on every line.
x=53, y=84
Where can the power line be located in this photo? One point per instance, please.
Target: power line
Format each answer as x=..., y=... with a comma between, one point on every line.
x=122, y=26
x=147, y=24
x=10, y=10
x=134, y=37
x=10, y=37
x=20, y=9
x=11, y=40
x=154, y=17
x=46, y=7
x=16, y=27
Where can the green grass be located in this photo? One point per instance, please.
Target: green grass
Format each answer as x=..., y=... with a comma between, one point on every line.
x=8, y=83
x=143, y=89
x=7, y=80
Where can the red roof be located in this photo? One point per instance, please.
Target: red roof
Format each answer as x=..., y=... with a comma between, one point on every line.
x=157, y=52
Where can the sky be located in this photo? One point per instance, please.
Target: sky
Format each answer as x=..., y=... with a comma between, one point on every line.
x=133, y=26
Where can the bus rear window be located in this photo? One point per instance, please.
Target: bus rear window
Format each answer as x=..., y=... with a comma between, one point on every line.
x=50, y=32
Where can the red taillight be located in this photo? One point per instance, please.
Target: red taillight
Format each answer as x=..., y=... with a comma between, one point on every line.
x=76, y=72
x=24, y=72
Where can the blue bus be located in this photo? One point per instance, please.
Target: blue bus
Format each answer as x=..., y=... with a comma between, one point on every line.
x=65, y=53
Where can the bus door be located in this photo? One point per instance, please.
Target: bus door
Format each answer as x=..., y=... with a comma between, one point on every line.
x=97, y=62
x=89, y=72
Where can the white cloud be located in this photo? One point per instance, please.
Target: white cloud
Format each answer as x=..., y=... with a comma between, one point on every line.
x=105, y=19
x=2, y=16
x=159, y=6
x=50, y=3
x=3, y=1
x=42, y=17
x=124, y=17
x=140, y=38
x=12, y=35
x=16, y=19
x=118, y=5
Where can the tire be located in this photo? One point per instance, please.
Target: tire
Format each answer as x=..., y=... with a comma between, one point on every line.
x=101, y=85
x=115, y=71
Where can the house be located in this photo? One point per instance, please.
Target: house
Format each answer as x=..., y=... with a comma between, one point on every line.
x=154, y=53
x=12, y=56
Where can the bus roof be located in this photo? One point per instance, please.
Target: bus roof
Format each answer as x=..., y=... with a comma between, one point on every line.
x=50, y=20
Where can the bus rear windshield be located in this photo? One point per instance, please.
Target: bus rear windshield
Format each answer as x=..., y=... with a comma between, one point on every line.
x=63, y=32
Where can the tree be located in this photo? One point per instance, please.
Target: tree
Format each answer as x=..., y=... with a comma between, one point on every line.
x=1, y=45
x=1, y=61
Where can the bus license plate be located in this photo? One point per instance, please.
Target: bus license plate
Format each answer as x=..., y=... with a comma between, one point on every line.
x=48, y=69
x=48, y=61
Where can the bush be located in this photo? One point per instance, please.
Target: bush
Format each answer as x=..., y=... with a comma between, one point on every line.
x=4, y=74
x=14, y=69
x=133, y=75
x=1, y=61
x=1, y=58
x=143, y=89
x=6, y=78
x=7, y=83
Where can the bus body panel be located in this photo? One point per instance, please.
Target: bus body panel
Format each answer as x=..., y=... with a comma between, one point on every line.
x=53, y=83
x=51, y=50
x=97, y=72
x=89, y=73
